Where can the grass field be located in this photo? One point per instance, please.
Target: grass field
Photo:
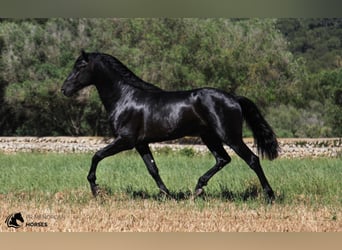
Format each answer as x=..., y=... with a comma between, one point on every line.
x=52, y=188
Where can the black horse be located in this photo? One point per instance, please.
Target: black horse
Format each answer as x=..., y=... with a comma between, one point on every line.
x=141, y=113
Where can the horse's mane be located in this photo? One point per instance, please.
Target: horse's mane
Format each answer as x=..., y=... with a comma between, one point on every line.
x=128, y=76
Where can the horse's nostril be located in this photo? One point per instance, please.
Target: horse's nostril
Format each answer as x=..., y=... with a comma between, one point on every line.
x=63, y=91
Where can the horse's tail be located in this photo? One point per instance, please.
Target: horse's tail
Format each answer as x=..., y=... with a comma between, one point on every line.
x=264, y=136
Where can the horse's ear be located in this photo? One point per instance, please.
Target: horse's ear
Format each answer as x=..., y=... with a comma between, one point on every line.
x=85, y=55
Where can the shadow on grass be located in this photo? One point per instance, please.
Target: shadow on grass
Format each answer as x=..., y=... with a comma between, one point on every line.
x=252, y=192
x=143, y=194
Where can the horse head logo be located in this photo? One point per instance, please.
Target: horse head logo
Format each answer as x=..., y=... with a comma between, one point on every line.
x=12, y=220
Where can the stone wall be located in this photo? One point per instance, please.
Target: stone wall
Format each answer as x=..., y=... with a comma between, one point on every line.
x=290, y=148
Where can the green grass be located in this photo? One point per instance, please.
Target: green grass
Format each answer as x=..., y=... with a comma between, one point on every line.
x=309, y=181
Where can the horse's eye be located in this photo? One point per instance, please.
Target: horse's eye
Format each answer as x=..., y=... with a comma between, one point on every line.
x=83, y=64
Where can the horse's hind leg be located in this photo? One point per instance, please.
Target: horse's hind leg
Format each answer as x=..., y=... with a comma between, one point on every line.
x=253, y=161
x=150, y=163
x=214, y=144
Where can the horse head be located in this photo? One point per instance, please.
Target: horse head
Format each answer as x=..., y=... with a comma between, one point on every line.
x=80, y=76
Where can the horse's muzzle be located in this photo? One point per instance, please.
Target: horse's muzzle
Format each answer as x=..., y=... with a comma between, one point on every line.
x=66, y=93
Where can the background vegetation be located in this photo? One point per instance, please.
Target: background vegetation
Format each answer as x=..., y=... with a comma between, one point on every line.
x=290, y=67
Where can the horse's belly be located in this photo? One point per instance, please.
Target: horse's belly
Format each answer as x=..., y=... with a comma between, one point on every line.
x=168, y=129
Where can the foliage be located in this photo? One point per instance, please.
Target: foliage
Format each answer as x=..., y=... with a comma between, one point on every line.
x=258, y=58
x=330, y=84
x=318, y=41
x=300, y=122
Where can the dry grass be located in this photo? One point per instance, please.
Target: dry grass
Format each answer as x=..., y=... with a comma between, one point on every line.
x=121, y=213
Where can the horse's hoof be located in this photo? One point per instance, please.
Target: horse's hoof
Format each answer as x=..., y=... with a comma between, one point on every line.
x=95, y=191
x=164, y=194
x=270, y=197
x=199, y=192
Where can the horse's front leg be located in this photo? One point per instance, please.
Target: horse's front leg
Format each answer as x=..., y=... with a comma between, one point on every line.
x=118, y=145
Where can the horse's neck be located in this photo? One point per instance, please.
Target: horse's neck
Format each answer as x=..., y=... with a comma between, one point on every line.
x=112, y=87
x=109, y=94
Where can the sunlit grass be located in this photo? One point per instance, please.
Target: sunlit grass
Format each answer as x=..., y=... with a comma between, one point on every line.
x=312, y=181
